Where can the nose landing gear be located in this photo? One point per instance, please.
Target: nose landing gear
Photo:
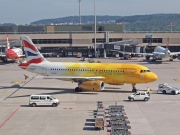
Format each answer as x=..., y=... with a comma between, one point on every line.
x=134, y=88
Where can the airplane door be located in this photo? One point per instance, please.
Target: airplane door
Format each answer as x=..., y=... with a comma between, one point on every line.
x=143, y=76
x=44, y=69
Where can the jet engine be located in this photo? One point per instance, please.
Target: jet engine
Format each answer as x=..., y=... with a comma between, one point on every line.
x=92, y=85
x=174, y=56
x=178, y=57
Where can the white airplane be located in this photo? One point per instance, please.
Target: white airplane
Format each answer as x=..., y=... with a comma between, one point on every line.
x=89, y=76
x=162, y=53
x=12, y=54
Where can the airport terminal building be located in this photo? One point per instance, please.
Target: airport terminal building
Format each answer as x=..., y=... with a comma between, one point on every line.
x=67, y=40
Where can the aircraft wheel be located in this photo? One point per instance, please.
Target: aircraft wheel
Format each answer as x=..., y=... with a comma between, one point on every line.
x=76, y=89
x=147, y=57
x=153, y=60
x=134, y=90
x=80, y=90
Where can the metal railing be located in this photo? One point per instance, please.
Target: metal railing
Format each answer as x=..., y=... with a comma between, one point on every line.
x=151, y=31
x=55, y=32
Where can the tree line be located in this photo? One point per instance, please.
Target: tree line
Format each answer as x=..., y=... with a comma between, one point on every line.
x=153, y=22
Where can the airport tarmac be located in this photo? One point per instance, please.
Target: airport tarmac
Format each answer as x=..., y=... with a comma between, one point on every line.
x=74, y=115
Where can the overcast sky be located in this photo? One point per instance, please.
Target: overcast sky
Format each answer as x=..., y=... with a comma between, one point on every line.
x=27, y=11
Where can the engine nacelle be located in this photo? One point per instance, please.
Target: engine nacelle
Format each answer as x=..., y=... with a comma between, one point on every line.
x=92, y=85
x=178, y=57
x=174, y=56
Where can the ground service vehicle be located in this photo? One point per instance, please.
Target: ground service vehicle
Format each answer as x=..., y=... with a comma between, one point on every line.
x=165, y=88
x=43, y=100
x=141, y=95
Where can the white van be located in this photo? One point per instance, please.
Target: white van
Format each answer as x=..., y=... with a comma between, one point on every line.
x=42, y=100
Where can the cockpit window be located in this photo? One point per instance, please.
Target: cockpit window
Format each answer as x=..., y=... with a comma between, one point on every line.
x=144, y=71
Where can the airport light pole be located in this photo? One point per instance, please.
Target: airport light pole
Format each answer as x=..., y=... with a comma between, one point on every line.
x=95, y=28
x=79, y=12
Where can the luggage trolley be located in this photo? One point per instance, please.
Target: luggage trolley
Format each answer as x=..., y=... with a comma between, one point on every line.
x=99, y=123
x=113, y=118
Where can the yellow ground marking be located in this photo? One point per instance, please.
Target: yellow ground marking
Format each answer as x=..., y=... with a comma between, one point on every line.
x=177, y=79
x=3, y=91
x=17, y=82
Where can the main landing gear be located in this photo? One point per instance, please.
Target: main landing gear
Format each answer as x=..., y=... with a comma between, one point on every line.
x=77, y=89
x=134, y=88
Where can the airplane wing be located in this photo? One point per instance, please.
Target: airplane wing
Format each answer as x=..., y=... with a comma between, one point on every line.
x=21, y=56
x=133, y=53
x=74, y=78
x=67, y=78
x=174, y=53
x=129, y=53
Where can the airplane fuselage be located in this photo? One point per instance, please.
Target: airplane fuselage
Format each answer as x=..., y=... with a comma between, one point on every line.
x=14, y=53
x=161, y=53
x=89, y=76
x=115, y=74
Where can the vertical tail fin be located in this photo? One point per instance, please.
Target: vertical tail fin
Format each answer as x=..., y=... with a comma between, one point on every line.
x=8, y=44
x=31, y=52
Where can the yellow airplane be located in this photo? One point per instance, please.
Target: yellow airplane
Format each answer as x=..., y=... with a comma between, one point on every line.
x=89, y=76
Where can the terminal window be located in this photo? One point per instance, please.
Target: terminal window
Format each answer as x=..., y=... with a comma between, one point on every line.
x=52, y=41
x=115, y=39
x=99, y=40
x=152, y=40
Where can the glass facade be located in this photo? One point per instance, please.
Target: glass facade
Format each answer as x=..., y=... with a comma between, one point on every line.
x=103, y=40
x=52, y=41
x=152, y=40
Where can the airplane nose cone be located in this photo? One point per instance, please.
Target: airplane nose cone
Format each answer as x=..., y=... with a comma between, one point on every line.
x=151, y=77
x=154, y=77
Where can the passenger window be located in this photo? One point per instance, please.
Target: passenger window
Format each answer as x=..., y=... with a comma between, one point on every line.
x=49, y=98
x=141, y=71
x=42, y=98
x=142, y=93
x=137, y=93
x=35, y=98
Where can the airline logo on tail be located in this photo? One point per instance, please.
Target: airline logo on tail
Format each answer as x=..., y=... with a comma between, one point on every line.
x=31, y=52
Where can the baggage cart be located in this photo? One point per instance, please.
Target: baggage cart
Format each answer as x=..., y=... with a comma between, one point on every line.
x=99, y=123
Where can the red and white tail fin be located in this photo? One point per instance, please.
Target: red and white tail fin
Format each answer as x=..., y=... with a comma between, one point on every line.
x=8, y=43
x=32, y=54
